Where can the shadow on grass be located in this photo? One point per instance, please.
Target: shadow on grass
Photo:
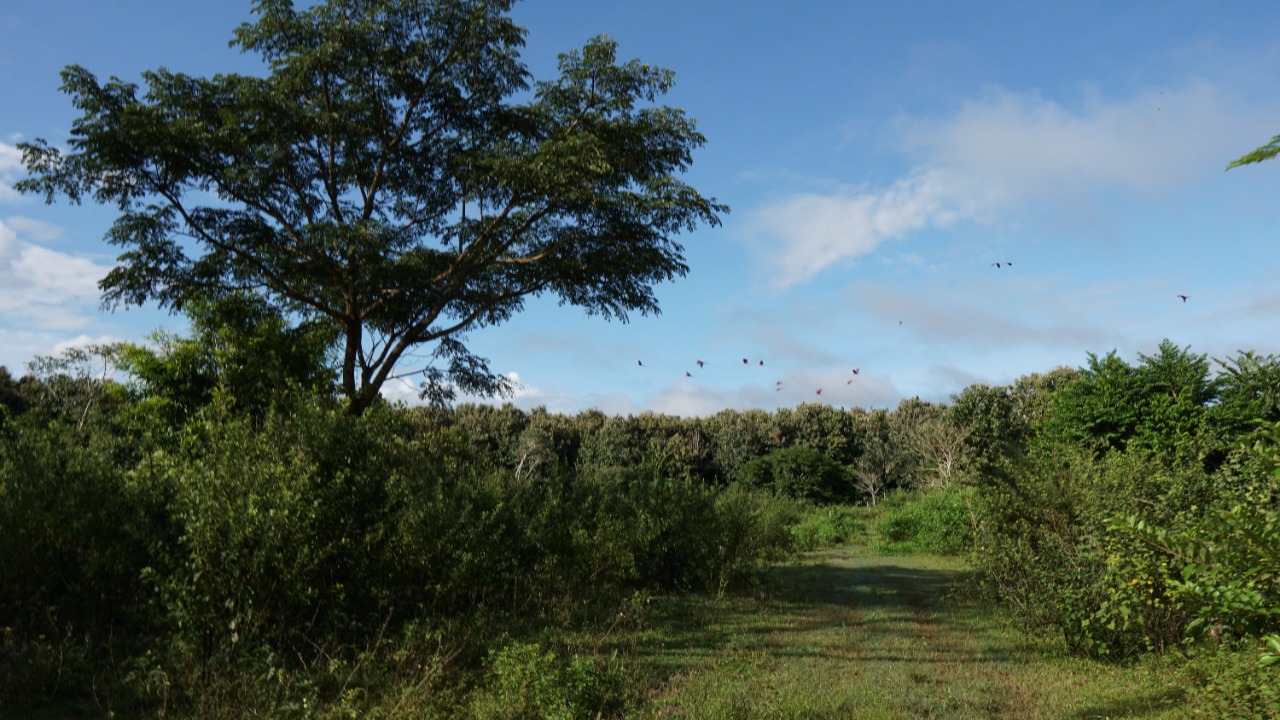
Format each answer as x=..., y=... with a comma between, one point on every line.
x=1136, y=706
x=873, y=599
x=866, y=587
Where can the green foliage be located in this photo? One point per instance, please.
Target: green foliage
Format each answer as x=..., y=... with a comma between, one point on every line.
x=1158, y=406
x=824, y=526
x=76, y=530
x=243, y=562
x=1226, y=683
x=1249, y=393
x=835, y=432
x=13, y=399
x=1266, y=152
x=240, y=347
x=739, y=436
x=1046, y=546
x=798, y=472
x=395, y=178
x=530, y=682
x=887, y=460
x=1231, y=555
x=938, y=521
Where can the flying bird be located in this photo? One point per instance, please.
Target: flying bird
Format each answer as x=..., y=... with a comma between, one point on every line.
x=640, y=363
x=819, y=391
x=700, y=363
x=688, y=374
x=761, y=363
x=744, y=361
x=1184, y=297
x=855, y=371
x=1006, y=262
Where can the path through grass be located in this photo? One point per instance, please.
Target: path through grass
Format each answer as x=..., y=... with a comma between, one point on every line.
x=849, y=634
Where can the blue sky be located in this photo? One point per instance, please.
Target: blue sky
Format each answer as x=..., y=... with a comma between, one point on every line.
x=878, y=157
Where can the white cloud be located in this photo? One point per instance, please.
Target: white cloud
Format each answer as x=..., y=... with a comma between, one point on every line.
x=34, y=229
x=1001, y=153
x=10, y=169
x=819, y=231
x=43, y=289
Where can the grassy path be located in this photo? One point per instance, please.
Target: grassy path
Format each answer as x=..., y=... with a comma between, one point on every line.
x=852, y=635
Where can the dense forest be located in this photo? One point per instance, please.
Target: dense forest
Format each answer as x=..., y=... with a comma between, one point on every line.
x=195, y=528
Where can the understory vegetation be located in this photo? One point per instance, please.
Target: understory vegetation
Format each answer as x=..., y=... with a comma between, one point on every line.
x=180, y=541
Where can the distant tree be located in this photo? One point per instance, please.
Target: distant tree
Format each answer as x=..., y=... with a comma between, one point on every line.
x=534, y=451
x=677, y=447
x=799, y=472
x=1101, y=411
x=820, y=426
x=1159, y=405
x=562, y=431
x=992, y=429
x=617, y=442
x=1033, y=396
x=13, y=399
x=903, y=423
x=939, y=441
x=77, y=382
x=884, y=463
x=1248, y=392
x=494, y=430
x=739, y=436
x=395, y=176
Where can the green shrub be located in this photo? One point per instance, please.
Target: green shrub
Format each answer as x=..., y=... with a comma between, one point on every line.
x=934, y=521
x=75, y=533
x=823, y=526
x=530, y=682
x=1047, y=543
x=1227, y=683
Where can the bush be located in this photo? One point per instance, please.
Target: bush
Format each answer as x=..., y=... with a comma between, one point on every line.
x=529, y=682
x=827, y=526
x=1227, y=683
x=75, y=531
x=934, y=521
x=1048, y=545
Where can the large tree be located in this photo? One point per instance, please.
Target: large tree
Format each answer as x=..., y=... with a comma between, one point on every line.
x=395, y=173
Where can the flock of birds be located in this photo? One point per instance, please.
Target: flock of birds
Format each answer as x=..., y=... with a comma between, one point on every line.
x=778, y=385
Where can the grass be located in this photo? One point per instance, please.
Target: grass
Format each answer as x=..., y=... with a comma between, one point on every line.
x=850, y=634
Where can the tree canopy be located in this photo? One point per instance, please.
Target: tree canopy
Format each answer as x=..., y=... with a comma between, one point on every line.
x=396, y=174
